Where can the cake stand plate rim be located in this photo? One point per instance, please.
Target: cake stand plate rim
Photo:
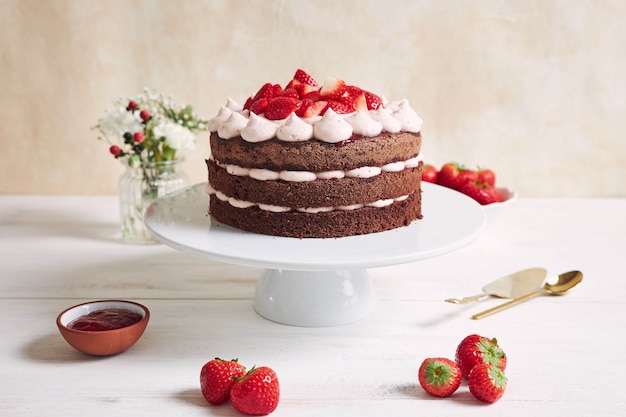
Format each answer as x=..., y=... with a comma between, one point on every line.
x=451, y=220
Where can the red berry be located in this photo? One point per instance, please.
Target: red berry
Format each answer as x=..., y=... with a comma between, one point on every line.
x=429, y=174
x=266, y=91
x=131, y=106
x=341, y=107
x=311, y=108
x=487, y=382
x=360, y=102
x=258, y=106
x=353, y=91
x=304, y=78
x=145, y=116
x=248, y=103
x=448, y=175
x=281, y=107
x=290, y=92
x=373, y=101
x=487, y=176
x=216, y=379
x=276, y=90
x=440, y=377
x=257, y=392
x=475, y=349
x=481, y=192
x=138, y=137
x=115, y=150
x=333, y=89
x=465, y=176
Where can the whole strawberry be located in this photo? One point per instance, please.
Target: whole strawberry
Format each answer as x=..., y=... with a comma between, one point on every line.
x=481, y=192
x=487, y=382
x=475, y=349
x=439, y=376
x=257, y=392
x=216, y=379
x=449, y=175
x=429, y=173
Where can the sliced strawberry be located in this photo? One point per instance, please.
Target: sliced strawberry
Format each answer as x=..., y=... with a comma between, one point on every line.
x=304, y=78
x=258, y=107
x=313, y=95
x=360, y=102
x=266, y=91
x=289, y=92
x=304, y=90
x=277, y=90
x=373, y=101
x=281, y=107
x=340, y=107
x=293, y=84
x=304, y=106
x=318, y=108
x=349, y=102
x=333, y=89
x=313, y=108
x=248, y=103
x=353, y=91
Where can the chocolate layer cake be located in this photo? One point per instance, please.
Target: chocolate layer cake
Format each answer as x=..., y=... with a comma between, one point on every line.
x=315, y=162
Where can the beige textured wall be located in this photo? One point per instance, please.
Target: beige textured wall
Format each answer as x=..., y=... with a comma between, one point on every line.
x=533, y=89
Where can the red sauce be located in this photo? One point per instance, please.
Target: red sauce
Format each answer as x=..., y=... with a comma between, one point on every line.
x=107, y=319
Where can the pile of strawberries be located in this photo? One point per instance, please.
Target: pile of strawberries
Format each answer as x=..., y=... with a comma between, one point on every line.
x=255, y=392
x=305, y=97
x=478, y=184
x=478, y=359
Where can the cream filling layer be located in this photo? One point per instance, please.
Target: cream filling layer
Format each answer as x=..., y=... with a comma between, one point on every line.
x=280, y=209
x=303, y=176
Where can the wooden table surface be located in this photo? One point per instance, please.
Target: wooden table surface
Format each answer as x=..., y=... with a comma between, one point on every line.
x=565, y=354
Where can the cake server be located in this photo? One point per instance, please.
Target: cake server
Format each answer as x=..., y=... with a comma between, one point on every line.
x=510, y=286
x=555, y=286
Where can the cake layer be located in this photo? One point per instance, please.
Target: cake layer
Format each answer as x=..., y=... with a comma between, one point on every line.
x=314, y=155
x=317, y=193
x=336, y=223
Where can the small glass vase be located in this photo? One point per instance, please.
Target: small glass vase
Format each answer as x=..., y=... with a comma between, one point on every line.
x=141, y=186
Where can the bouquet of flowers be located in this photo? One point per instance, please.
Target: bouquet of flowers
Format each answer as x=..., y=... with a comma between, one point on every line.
x=147, y=132
x=149, y=128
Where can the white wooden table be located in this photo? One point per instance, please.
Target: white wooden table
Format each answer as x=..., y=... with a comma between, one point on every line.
x=566, y=354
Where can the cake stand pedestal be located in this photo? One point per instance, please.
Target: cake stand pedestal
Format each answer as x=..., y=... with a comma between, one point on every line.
x=316, y=282
x=315, y=298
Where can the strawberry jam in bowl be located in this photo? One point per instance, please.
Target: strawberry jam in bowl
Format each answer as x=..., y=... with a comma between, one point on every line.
x=105, y=327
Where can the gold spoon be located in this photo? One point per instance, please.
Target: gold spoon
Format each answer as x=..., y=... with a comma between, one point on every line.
x=510, y=286
x=565, y=282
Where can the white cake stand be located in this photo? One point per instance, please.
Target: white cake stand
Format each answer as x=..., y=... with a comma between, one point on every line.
x=316, y=282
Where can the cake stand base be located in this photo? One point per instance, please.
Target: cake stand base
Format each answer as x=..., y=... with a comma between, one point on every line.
x=314, y=298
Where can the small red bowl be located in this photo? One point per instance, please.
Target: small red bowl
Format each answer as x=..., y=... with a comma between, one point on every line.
x=102, y=342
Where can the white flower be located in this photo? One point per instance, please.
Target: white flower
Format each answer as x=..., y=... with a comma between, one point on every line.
x=176, y=136
x=119, y=122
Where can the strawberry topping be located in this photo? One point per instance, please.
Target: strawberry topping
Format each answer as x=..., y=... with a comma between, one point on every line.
x=304, y=96
x=281, y=107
